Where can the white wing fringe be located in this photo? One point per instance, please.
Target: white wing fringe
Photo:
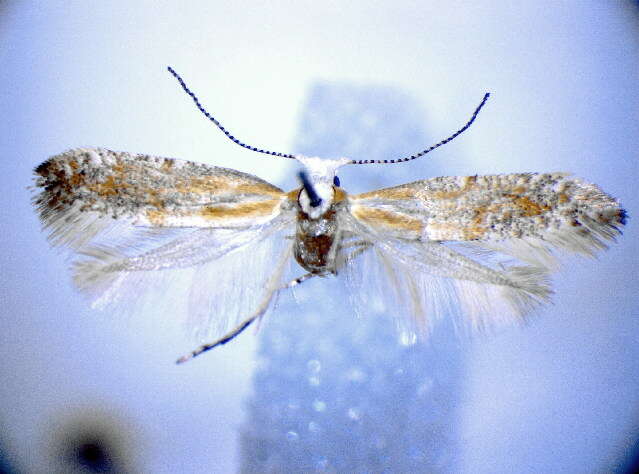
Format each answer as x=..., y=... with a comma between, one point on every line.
x=480, y=298
x=95, y=277
x=206, y=281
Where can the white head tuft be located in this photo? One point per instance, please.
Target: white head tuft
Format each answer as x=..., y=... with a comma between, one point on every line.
x=321, y=173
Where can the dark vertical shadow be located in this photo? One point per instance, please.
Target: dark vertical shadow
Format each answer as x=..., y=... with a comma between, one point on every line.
x=5, y=466
x=338, y=393
x=629, y=464
x=6, y=461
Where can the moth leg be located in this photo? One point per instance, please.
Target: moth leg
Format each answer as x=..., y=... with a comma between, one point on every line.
x=359, y=246
x=246, y=323
x=355, y=243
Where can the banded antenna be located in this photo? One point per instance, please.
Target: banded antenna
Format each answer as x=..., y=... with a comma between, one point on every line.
x=219, y=125
x=431, y=148
x=353, y=162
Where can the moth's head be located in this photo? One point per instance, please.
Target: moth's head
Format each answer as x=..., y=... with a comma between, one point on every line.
x=318, y=179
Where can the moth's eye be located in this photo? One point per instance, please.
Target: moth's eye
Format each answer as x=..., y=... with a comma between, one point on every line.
x=336, y=181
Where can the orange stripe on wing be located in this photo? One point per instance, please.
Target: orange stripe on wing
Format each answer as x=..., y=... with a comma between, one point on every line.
x=410, y=191
x=395, y=222
x=246, y=210
x=230, y=214
x=225, y=185
x=451, y=231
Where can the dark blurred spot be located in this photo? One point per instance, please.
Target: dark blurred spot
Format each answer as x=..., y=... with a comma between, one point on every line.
x=93, y=440
x=93, y=455
x=93, y=448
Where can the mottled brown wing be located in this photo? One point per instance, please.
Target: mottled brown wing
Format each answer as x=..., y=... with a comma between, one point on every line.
x=84, y=190
x=554, y=207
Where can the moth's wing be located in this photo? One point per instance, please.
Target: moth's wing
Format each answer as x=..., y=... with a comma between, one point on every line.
x=87, y=192
x=479, y=246
x=177, y=234
x=552, y=210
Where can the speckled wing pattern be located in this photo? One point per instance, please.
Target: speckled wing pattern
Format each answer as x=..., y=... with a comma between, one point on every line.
x=478, y=246
x=126, y=216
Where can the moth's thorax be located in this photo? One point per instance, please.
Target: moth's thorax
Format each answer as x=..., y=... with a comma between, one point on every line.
x=317, y=238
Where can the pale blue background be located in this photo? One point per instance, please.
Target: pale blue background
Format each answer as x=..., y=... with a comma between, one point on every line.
x=560, y=395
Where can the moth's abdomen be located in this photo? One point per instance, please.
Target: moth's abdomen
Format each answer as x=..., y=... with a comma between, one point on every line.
x=316, y=242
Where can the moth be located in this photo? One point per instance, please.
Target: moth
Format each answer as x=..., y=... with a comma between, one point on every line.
x=218, y=244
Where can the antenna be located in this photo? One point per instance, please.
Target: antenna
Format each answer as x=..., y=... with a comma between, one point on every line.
x=219, y=125
x=431, y=148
